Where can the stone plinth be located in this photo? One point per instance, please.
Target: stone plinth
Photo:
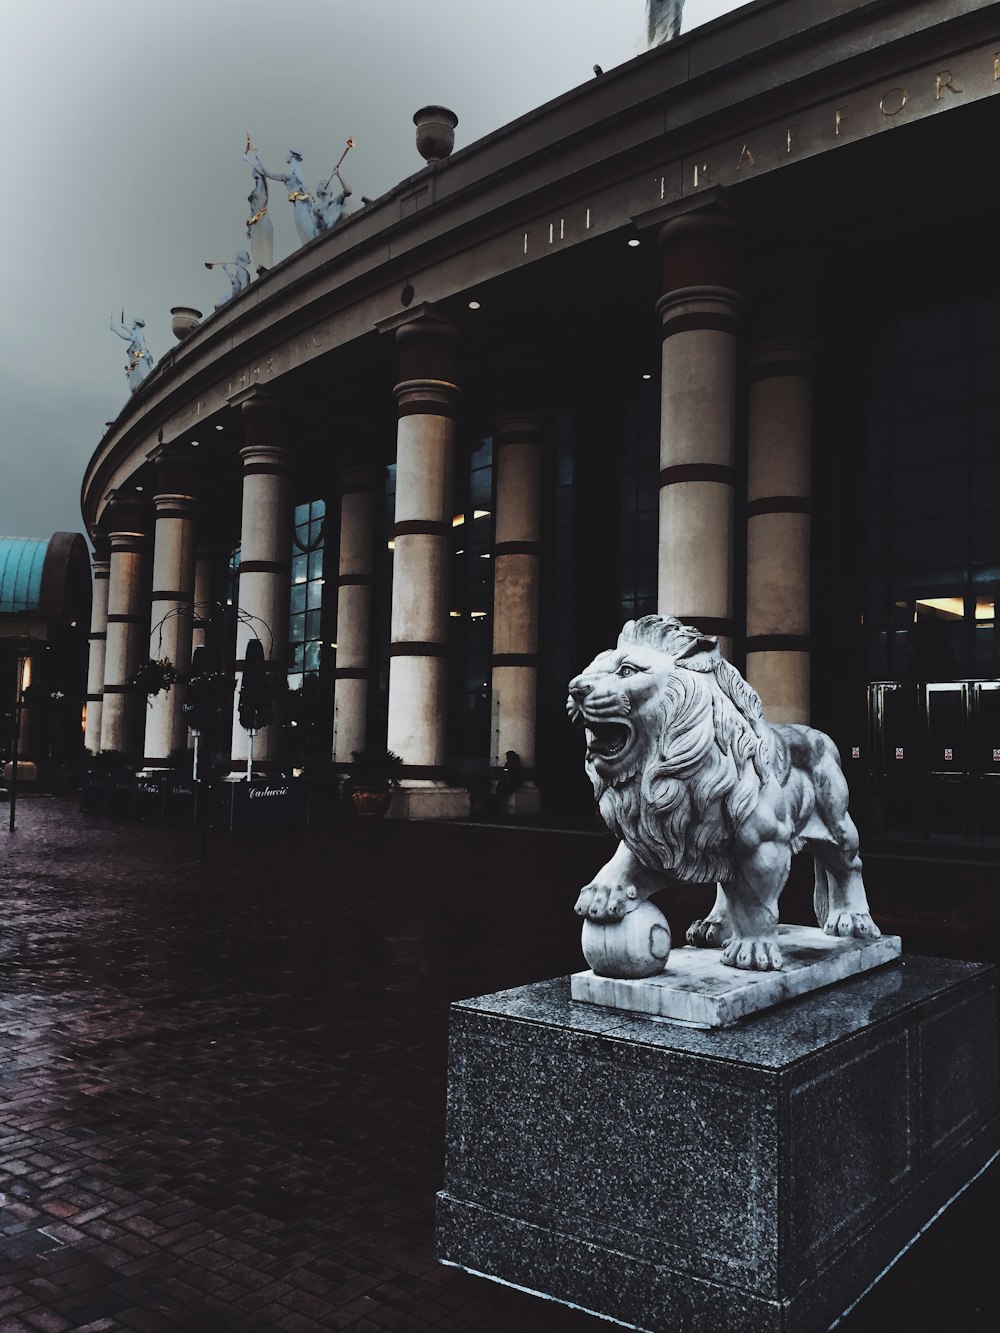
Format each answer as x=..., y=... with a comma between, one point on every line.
x=698, y=988
x=430, y=801
x=754, y=1178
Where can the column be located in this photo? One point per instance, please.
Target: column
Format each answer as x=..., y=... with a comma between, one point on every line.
x=122, y=717
x=427, y=405
x=778, y=526
x=98, y=640
x=517, y=443
x=203, y=608
x=699, y=309
x=265, y=562
x=354, y=595
x=28, y=729
x=172, y=600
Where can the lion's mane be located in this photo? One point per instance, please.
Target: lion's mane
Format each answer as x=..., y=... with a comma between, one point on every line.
x=703, y=777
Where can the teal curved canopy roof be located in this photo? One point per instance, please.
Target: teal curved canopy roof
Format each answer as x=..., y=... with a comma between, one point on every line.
x=21, y=562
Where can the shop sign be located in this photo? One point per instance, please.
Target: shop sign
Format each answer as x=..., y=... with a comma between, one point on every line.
x=899, y=752
x=949, y=754
x=855, y=751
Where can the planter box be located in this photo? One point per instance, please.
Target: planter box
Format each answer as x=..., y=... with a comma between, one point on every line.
x=180, y=802
x=266, y=804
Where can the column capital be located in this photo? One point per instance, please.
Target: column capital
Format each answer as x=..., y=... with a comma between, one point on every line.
x=168, y=504
x=102, y=548
x=699, y=307
x=698, y=239
x=125, y=512
x=266, y=458
x=427, y=343
x=774, y=357
x=255, y=396
x=427, y=397
x=175, y=467
x=513, y=427
x=355, y=477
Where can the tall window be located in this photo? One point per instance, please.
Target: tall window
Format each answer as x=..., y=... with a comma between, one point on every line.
x=305, y=637
x=934, y=526
x=640, y=504
x=470, y=617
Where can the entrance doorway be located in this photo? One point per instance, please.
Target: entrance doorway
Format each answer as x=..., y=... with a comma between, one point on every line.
x=934, y=771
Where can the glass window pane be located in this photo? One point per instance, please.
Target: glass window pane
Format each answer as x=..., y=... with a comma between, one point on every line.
x=314, y=593
x=297, y=657
x=300, y=568
x=313, y=630
x=316, y=564
x=299, y=596
x=297, y=628
x=312, y=656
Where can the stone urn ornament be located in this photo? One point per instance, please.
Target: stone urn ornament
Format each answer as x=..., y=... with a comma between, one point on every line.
x=184, y=319
x=435, y=132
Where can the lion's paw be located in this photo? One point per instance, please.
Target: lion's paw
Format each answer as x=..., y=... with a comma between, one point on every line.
x=606, y=902
x=708, y=933
x=753, y=955
x=852, y=925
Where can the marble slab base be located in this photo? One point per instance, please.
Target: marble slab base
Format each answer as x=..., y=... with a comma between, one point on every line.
x=699, y=989
x=751, y=1179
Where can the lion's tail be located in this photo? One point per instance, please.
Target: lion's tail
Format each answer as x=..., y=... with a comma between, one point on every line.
x=821, y=896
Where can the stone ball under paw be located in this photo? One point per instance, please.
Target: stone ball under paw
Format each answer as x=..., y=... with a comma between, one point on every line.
x=637, y=946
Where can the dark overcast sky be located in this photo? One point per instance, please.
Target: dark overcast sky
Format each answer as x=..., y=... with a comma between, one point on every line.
x=123, y=129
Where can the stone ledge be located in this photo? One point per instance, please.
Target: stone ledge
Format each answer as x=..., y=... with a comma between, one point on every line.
x=698, y=989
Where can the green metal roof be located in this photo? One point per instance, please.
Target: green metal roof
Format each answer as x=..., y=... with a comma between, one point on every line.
x=21, y=561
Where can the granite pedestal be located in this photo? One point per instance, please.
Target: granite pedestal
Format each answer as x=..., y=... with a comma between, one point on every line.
x=758, y=1177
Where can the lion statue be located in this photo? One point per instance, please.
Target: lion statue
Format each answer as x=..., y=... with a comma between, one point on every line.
x=699, y=788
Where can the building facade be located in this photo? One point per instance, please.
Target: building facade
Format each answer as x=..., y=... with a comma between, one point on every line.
x=45, y=612
x=713, y=335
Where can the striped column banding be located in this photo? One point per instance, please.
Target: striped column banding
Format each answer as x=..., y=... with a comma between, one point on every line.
x=174, y=553
x=779, y=508
x=127, y=628
x=517, y=442
x=265, y=563
x=354, y=594
x=699, y=312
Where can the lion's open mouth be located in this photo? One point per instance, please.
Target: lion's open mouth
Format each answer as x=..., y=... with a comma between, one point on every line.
x=606, y=740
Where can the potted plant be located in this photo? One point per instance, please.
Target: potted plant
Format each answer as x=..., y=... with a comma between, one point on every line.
x=373, y=774
x=154, y=675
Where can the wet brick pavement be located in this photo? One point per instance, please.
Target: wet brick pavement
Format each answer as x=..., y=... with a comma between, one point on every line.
x=223, y=1083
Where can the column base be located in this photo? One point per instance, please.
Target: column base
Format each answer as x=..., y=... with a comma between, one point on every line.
x=429, y=802
x=522, y=803
x=27, y=771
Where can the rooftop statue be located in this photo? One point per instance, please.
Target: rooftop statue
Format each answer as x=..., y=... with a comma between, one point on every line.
x=237, y=271
x=313, y=213
x=260, y=228
x=699, y=788
x=663, y=20
x=298, y=196
x=328, y=207
x=140, y=358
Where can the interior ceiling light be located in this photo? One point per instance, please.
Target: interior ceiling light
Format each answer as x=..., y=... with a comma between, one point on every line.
x=390, y=545
x=480, y=513
x=220, y=428
x=458, y=520
x=647, y=377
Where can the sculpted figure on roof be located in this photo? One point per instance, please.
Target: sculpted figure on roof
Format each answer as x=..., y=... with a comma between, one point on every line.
x=663, y=20
x=140, y=358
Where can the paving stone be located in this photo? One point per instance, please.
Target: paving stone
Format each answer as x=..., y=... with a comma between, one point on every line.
x=223, y=1082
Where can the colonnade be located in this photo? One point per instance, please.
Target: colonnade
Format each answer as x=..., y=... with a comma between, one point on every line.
x=701, y=309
